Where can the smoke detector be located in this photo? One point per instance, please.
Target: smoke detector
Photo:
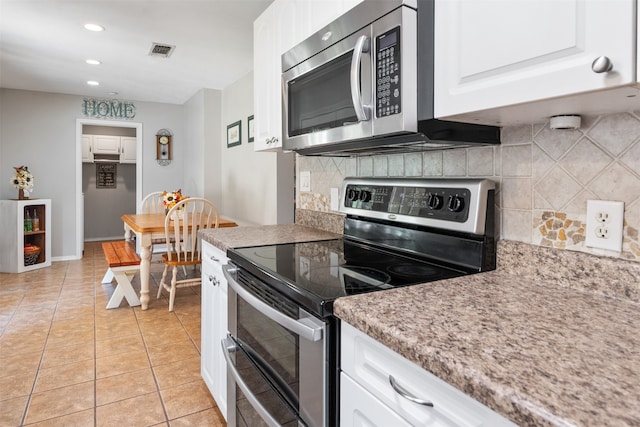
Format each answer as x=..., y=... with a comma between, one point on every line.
x=161, y=49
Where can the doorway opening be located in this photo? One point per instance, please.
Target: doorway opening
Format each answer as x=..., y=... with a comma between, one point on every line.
x=109, y=183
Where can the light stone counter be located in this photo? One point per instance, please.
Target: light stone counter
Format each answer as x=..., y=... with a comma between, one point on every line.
x=237, y=237
x=549, y=338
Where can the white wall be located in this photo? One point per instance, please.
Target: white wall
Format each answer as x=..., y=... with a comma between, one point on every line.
x=257, y=186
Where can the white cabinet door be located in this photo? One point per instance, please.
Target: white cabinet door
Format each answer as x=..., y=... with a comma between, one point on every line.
x=494, y=53
x=128, y=149
x=284, y=24
x=87, y=151
x=267, y=103
x=106, y=144
x=214, y=324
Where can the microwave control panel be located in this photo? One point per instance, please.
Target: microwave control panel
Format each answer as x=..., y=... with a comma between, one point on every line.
x=388, y=93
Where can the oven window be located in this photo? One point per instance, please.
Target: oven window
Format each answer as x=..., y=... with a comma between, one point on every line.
x=269, y=343
x=321, y=99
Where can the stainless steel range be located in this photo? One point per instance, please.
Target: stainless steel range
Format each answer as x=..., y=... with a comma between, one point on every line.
x=282, y=350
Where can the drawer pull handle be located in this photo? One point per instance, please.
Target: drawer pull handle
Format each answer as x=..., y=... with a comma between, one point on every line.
x=404, y=393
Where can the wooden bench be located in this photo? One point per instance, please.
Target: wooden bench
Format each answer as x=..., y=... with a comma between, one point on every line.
x=123, y=265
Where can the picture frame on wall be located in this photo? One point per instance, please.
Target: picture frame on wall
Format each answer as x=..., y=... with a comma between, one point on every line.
x=234, y=134
x=250, y=128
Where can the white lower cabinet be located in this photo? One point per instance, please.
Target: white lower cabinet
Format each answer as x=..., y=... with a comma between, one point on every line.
x=214, y=324
x=367, y=397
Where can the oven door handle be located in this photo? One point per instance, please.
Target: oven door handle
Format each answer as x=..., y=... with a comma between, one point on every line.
x=303, y=327
x=229, y=346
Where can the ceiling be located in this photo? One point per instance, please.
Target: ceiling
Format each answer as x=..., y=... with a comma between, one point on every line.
x=43, y=46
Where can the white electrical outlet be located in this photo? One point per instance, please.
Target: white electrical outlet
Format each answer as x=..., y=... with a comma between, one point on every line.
x=605, y=222
x=305, y=181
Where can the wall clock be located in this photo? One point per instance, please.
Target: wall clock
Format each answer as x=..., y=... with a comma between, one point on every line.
x=163, y=147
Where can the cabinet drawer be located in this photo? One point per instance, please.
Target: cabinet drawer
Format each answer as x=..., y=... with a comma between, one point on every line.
x=371, y=364
x=359, y=408
x=214, y=255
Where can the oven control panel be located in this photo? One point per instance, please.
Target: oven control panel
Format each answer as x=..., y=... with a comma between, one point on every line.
x=454, y=204
x=450, y=204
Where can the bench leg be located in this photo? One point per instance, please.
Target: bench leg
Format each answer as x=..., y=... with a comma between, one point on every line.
x=123, y=290
x=108, y=277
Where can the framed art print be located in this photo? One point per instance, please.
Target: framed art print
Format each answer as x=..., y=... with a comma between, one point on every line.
x=234, y=134
x=250, y=127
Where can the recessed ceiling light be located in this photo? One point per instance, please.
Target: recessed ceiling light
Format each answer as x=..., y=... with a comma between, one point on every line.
x=93, y=83
x=93, y=62
x=94, y=27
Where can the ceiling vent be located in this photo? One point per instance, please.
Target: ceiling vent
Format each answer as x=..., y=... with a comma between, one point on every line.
x=160, y=49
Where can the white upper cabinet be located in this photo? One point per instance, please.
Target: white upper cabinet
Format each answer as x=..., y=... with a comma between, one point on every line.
x=128, y=149
x=284, y=24
x=87, y=151
x=106, y=144
x=497, y=53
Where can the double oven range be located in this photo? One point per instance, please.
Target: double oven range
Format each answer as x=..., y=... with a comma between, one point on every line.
x=282, y=350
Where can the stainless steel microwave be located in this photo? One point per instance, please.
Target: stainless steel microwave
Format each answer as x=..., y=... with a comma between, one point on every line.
x=364, y=85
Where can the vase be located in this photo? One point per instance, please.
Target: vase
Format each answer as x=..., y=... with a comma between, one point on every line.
x=21, y=195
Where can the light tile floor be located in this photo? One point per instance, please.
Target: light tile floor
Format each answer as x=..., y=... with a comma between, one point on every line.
x=65, y=360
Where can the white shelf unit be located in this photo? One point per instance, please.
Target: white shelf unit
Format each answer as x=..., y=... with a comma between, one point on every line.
x=14, y=236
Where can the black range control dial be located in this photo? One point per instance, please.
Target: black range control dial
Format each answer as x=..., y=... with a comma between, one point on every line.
x=455, y=203
x=434, y=201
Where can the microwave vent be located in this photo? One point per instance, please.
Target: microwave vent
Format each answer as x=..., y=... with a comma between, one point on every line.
x=160, y=49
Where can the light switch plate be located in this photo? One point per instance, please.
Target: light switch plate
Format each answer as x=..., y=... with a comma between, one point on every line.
x=335, y=199
x=305, y=181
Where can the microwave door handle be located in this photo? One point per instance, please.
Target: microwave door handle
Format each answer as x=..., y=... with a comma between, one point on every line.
x=228, y=346
x=303, y=327
x=362, y=46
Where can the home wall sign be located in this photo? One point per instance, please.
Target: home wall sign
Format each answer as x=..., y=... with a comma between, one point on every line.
x=108, y=109
x=106, y=175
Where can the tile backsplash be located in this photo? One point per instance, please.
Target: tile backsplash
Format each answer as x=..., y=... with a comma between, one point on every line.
x=544, y=178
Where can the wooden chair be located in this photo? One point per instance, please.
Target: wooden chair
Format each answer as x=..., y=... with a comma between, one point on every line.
x=152, y=203
x=197, y=213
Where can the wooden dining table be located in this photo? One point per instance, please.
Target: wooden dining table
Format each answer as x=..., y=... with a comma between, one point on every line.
x=148, y=227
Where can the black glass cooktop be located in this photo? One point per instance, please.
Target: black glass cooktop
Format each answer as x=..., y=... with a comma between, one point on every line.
x=315, y=273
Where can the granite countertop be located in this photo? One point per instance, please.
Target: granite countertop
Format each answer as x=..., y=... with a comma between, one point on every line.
x=237, y=237
x=548, y=338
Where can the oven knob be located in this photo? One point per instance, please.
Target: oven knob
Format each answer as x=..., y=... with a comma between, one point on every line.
x=365, y=195
x=353, y=195
x=455, y=203
x=434, y=201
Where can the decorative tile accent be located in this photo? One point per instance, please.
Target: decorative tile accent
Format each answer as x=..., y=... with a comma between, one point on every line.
x=557, y=230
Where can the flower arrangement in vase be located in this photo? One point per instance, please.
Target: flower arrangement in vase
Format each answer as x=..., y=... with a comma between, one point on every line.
x=23, y=181
x=172, y=198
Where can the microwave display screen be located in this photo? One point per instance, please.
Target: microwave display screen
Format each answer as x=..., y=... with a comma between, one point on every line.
x=321, y=98
x=388, y=89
